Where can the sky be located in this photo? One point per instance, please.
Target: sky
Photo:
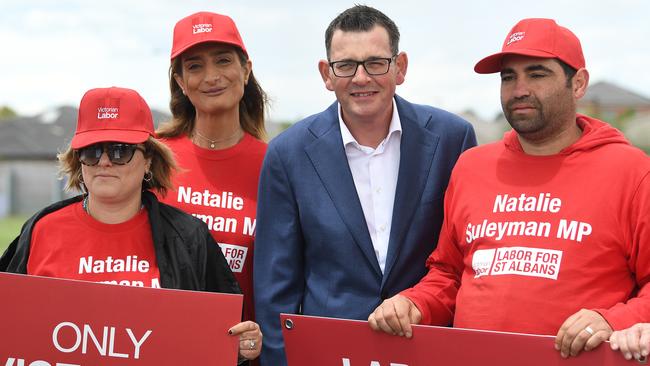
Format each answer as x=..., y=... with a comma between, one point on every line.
x=53, y=51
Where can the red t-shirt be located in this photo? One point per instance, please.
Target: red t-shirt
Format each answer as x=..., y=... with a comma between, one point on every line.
x=69, y=243
x=220, y=188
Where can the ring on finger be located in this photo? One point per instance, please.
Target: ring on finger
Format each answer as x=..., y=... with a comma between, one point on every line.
x=589, y=330
x=251, y=345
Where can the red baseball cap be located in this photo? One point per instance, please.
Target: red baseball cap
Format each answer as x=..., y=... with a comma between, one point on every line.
x=205, y=27
x=112, y=114
x=536, y=37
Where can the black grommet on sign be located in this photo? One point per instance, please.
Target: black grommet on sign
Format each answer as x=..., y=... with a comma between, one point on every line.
x=288, y=323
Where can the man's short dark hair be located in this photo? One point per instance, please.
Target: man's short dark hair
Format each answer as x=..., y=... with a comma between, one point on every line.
x=569, y=71
x=362, y=18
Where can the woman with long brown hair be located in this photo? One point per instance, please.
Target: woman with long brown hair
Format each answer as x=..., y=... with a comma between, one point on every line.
x=216, y=133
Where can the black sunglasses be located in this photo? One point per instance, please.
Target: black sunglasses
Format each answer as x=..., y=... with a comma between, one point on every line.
x=118, y=153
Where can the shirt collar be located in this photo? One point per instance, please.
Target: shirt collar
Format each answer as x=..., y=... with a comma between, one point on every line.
x=395, y=126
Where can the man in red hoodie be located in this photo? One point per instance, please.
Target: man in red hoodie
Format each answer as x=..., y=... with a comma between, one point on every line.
x=548, y=230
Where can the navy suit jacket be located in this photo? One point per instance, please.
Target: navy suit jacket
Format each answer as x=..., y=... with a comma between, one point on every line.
x=313, y=252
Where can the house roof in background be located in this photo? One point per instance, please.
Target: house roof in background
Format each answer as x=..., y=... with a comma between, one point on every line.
x=42, y=136
x=606, y=93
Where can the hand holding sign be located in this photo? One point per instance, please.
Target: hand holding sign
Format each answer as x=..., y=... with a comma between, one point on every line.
x=633, y=341
x=250, y=339
x=584, y=330
x=395, y=316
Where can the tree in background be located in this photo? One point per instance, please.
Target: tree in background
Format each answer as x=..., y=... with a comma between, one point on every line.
x=7, y=112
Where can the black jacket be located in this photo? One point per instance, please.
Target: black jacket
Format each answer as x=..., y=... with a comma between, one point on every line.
x=187, y=255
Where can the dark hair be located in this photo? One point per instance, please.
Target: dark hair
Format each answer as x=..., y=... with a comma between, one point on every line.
x=362, y=18
x=569, y=71
x=251, y=106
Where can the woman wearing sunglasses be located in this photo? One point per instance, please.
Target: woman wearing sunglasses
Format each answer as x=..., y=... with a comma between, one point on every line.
x=216, y=135
x=118, y=164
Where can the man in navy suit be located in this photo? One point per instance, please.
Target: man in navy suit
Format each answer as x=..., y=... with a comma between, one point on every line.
x=350, y=199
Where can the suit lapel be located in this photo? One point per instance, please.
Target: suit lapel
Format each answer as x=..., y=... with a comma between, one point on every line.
x=327, y=155
x=417, y=148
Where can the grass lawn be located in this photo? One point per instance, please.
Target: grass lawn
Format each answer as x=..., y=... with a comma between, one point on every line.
x=9, y=228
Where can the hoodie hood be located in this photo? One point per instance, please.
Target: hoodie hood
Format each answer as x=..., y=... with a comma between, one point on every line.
x=595, y=133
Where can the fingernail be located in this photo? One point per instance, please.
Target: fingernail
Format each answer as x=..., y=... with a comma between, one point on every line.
x=557, y=348
x=401, y=334
x=409, y=334
x=627, y=356
x=637, y=356
x=644, y=353
x=563, y=354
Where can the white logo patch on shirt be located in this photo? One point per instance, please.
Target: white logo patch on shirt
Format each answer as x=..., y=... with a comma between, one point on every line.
x=521, y=261
x=235, y=256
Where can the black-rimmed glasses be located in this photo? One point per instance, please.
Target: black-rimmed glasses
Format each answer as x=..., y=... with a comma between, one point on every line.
x=118, y=153
x=374, y=66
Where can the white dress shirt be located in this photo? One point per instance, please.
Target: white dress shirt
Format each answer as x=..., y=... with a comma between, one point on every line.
x=375, y=177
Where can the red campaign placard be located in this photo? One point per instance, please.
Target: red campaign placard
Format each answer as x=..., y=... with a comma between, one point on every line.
x=317, y=341
x=55, y=322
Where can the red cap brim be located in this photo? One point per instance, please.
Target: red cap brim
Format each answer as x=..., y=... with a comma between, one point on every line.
x=87, y=138
x=492, y=63
x=190, y=45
